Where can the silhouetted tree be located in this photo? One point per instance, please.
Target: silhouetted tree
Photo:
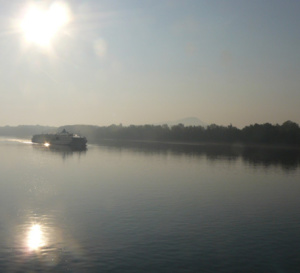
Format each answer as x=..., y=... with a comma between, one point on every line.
x=286, y=134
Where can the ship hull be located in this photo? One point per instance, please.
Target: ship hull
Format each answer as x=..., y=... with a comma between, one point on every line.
x=60, y=139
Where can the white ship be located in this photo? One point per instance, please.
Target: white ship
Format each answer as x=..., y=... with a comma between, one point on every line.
x=63, y=138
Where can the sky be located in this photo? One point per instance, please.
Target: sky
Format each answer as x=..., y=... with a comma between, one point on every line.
x=149, y=61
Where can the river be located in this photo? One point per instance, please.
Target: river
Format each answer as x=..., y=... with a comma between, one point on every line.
x=148, y=208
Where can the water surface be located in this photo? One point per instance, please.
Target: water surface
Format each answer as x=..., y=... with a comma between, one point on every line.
x=148, y=208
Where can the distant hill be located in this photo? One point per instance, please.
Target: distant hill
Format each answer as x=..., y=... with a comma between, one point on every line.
x=189, y=121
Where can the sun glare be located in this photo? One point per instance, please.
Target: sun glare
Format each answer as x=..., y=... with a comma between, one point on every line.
x=39, y=25
x=35, y=237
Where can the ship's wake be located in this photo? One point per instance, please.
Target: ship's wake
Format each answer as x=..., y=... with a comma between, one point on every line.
x=19, y=140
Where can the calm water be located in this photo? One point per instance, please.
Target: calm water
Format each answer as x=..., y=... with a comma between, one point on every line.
x=148, y=208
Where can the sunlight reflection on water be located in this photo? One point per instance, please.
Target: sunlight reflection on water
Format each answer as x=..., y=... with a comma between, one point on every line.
x=36, y=237
x=41, y=242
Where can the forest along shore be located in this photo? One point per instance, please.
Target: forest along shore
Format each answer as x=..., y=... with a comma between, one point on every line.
x=286, y=135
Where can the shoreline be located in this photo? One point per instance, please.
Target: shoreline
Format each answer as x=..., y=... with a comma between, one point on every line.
x=236, y=145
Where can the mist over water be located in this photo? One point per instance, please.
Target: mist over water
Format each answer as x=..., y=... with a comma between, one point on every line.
x=148, y=208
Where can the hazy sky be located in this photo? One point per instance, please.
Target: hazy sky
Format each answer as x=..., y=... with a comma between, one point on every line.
x=149, y=61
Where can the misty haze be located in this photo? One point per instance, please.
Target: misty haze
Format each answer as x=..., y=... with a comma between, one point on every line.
x=149, y=136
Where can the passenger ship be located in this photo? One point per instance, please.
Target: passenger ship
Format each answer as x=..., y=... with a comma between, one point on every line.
x=62, y=138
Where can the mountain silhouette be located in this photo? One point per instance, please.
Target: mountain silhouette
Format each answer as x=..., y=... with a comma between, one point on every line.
x=188, y=121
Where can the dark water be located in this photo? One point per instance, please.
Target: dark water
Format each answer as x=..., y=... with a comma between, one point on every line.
x=148, y=208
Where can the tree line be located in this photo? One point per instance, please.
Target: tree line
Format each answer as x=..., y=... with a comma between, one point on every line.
x=287, y=133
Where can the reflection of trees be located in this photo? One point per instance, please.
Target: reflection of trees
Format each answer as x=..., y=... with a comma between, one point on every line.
x=265, y=156
x=286, y=158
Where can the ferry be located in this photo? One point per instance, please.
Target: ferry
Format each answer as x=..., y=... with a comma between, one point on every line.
x=62, y=138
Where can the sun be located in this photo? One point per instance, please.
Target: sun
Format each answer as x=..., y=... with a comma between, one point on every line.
x=40, y=25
